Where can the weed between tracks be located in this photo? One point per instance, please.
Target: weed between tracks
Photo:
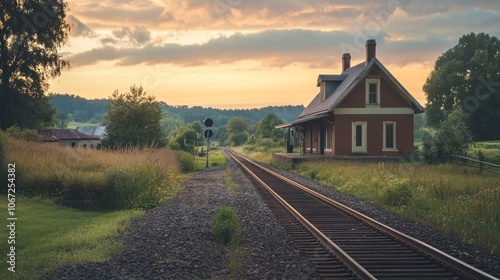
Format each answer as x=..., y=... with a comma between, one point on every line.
x=449, y=198
x=232, y=187
x=226, y=228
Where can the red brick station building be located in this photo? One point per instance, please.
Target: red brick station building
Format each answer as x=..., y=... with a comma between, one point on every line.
x=363, y=111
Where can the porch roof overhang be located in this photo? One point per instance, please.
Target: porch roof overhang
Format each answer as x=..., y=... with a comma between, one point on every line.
x=303, y=120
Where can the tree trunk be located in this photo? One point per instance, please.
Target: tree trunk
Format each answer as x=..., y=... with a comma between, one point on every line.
x=5, y=100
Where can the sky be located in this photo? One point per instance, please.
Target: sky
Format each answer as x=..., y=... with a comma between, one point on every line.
x=234, y=54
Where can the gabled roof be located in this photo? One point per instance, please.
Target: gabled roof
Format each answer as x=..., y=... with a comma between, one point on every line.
x=55, y=135
x=351, y=78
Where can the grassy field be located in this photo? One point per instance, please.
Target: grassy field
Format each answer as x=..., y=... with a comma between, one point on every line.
x=48, y=236
x=73, y=125
x=489, y=149
x=450, y=198
x=214, y=158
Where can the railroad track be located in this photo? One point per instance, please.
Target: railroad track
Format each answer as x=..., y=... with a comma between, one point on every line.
x=345, y=244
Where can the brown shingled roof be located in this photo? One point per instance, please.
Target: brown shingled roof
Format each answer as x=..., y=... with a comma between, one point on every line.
x=55, y=135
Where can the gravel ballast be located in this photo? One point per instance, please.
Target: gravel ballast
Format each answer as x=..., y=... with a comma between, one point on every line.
x=175, y=240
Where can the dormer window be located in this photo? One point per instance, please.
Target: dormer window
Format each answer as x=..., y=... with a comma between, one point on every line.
x=373, y=91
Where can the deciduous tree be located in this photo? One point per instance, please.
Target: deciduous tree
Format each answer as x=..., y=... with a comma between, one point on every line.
x=134, y=119
x=467, y=77
x=31, y=33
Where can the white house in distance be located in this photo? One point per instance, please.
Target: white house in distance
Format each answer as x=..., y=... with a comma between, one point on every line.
x=69, y=138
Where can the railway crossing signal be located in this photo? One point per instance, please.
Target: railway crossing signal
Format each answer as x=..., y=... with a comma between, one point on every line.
x=208, y=122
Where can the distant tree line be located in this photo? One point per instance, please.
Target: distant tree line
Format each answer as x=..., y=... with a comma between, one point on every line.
x=80, y=109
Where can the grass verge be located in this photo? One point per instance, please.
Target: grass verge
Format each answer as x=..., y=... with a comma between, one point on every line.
x=214, y=158
x=49, y=236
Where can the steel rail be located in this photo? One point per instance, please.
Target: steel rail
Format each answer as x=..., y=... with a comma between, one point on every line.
x=355, y=267
x=450, y=261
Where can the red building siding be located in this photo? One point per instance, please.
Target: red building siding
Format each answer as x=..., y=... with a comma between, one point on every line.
x=374, y=131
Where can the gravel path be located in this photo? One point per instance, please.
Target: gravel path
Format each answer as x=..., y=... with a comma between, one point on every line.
x=175, y=241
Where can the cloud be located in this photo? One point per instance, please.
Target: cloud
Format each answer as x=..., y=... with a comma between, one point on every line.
x=272, y=48
x=246, y=15
x=137, y=36
x=79, y=28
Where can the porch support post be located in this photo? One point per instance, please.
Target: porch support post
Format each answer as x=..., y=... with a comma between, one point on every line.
x=322, y=138
x=311, y=136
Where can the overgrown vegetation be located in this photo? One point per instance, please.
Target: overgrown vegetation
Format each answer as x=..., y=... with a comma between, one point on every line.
x=51, y=236
x=125, y=179
x=450, y=198
x=232, y=186
x=226, y=229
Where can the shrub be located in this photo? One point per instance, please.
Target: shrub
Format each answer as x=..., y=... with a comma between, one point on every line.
x=226, y=225
x=24, y=134
x=186, y=161
x=238, y=139
x=451, y=137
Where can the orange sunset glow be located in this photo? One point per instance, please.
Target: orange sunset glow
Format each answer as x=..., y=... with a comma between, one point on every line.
x=252, y=54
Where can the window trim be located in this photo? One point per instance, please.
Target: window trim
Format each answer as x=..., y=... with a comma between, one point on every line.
x=385, y=148
x=367, y=93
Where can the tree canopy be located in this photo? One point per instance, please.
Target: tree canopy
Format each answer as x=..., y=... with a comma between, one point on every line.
x=31, y=33
x=467, y=77
x=266, y=127
x=134, y=119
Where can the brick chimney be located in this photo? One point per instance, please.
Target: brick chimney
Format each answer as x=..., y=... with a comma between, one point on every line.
x=346, y=61
x=370, y=49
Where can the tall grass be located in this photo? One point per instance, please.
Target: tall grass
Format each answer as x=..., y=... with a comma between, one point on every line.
x=127, y=179
x=455, y=200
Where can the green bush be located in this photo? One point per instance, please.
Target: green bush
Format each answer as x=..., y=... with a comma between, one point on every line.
x=451, y=138
x=226, y=225
x=24, y=134
x=186, y=161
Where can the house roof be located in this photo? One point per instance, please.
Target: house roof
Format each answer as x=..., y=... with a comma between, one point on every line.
x=330, y=78
x=351, y=78
x=55, y=135
x=96, y=130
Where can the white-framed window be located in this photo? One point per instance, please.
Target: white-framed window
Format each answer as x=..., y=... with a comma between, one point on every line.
x=373, y=92
x=389, y=136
